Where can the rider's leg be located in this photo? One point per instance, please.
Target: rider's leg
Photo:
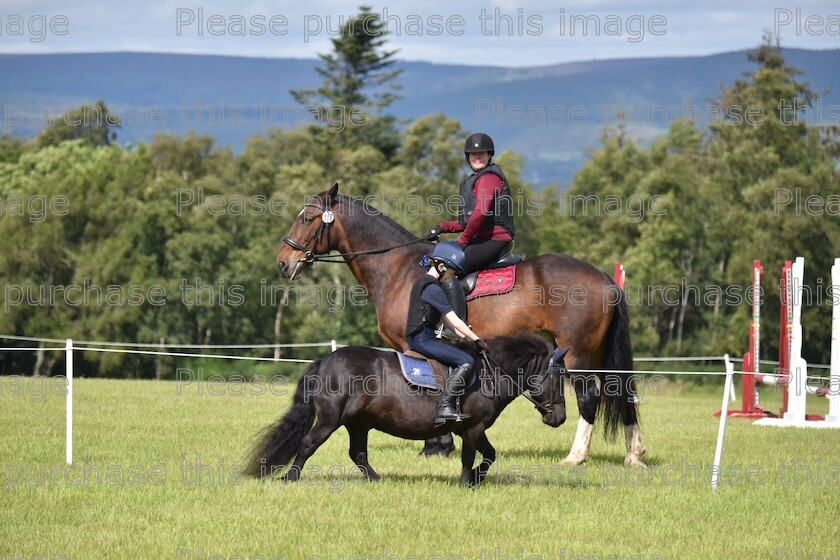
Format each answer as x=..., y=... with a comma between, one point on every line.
x=456, y=383
x=481, y=253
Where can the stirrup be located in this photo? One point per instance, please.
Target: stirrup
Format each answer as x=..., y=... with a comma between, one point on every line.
x=457, y=417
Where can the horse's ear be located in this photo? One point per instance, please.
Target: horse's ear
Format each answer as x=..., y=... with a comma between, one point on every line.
x=333, y=191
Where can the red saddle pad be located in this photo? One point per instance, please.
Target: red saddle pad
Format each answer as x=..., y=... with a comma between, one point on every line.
x=494, y=282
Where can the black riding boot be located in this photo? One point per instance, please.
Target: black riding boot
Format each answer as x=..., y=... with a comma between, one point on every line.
x=455, y=386
x=456, y=298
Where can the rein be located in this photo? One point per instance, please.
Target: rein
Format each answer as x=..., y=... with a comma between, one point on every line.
x=327, y=218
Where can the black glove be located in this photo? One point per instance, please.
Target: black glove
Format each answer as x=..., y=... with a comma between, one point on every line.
x=433, y=234
x=482, y=345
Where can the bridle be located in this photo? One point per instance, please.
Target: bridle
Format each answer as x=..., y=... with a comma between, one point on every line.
x=555, y=371
x=327, y=219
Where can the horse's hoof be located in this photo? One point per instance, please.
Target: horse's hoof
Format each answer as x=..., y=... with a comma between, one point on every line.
x=573, y=460
x=433, y=450
x=634, y=461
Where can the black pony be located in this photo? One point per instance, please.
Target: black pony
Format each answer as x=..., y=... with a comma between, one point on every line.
x=362, y=388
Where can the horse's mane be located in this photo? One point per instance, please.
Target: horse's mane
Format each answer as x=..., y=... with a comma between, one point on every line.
x=374, y=220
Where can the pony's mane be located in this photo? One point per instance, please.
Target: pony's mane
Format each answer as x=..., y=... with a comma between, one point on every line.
x=525, y=351
x=374, y=219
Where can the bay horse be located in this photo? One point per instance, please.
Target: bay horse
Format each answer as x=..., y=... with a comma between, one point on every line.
x=362, y=388
x=569, y=301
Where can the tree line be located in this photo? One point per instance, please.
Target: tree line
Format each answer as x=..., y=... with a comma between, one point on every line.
x=173, y=241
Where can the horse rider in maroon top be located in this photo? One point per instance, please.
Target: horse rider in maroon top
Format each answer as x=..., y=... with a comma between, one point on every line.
x=485, y=216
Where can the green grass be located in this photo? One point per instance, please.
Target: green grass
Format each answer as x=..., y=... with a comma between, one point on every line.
x=128, y=495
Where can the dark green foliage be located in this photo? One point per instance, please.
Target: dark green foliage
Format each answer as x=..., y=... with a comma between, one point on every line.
x=93, y=124
x=185, y=233
x=727, y=196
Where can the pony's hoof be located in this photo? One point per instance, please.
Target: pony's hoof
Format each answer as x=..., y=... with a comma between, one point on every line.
x=292, y=475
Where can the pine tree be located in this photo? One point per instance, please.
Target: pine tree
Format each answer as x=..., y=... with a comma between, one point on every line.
x=92, y=123
x=358, y=84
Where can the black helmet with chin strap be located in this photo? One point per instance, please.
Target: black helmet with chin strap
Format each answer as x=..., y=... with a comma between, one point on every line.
x=478, y=142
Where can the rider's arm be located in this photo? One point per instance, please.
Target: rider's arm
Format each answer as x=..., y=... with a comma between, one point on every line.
x=451, y=227
x=460, y=328
x=434, y=295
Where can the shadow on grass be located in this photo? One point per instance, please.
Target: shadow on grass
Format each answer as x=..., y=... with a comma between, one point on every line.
x=494, y=478
x=504, y=473
x=557, y=455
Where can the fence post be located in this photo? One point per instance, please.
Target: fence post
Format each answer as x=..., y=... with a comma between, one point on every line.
x=68, y=366
x=730, y=369
x=834, y=376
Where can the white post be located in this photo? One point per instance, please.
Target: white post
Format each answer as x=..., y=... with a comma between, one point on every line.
x=724, y=408
x=68, y=361
x=834, y=379
x=333, y=345
x=798, y=367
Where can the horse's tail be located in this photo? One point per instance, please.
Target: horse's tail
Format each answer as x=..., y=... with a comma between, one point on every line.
x=279, y=442
x=619, y=388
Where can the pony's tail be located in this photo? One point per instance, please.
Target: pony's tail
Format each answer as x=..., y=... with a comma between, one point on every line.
x=279, y=442
x=619, y=388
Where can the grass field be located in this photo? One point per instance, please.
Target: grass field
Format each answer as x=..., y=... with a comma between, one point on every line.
x=155, y=476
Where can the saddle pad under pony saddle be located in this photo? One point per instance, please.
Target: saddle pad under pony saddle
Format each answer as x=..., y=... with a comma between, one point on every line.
x=417, y=372
x=493, y=282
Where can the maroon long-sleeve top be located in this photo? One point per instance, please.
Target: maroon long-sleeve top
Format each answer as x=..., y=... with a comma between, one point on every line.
x=486, y=189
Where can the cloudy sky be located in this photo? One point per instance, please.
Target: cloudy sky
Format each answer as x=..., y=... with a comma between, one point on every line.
x=501, y=32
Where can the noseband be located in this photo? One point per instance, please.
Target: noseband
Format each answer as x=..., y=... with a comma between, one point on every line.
x=556, y=370
x=327, y=218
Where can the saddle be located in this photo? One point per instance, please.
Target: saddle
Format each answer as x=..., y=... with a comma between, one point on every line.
x=493, y=279
x=420, y=371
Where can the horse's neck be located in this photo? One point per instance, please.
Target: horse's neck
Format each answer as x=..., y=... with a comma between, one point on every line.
x=378, y=273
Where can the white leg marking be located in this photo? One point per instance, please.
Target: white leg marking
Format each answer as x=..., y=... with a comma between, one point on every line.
x=635, y=446
x=579, y=453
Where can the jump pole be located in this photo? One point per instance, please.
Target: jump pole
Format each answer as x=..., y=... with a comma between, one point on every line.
x=750, y=407
x=796, y=389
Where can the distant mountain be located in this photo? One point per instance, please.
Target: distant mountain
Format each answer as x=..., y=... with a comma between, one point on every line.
x=551, y=114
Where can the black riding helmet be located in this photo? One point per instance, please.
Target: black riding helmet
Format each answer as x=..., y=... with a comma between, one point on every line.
x=478, y=142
